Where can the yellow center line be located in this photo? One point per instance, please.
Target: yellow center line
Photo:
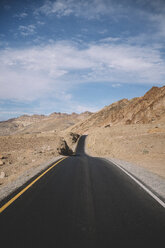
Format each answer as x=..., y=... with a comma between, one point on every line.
x=27, y=187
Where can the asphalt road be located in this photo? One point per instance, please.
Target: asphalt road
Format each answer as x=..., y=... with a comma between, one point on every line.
x=83, y=202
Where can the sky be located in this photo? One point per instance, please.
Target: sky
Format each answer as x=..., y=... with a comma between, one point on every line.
x=78, y=55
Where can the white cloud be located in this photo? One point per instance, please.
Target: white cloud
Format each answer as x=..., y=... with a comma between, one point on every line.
x=158, y=21
x=41, y=70
x=21, y=85
x=82, y=108
x=40, y=22
x=27, y=30
x=110, y=39
x=89, y=9
x=21, y=15
x=116, y=85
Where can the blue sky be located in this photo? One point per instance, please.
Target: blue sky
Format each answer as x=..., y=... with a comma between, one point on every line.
x=73, y=55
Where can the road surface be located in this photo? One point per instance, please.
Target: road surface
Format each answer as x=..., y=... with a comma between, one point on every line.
x=83, y=202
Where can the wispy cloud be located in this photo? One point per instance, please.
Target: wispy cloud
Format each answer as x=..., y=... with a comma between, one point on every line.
x=27, y=30
x=3, y=42
x=34, y=72
x=21, y=15
x=89, y=9
x=110, y=39
x=53, y=47
x=7, y=7
x=158, y=21
x=116, y=85
x=96, y=8
x=82, y=108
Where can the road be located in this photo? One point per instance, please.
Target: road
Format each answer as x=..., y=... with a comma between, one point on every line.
x=83, y=202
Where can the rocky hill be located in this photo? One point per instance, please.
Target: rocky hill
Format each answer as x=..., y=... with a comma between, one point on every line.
x=140, y=110
x=28, y=141
x=41, y=123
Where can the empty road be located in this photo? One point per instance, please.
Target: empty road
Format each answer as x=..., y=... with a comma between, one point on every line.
x=83, y=202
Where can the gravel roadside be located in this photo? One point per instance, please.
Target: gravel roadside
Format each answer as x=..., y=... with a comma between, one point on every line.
x=11, y=187
x=28, y=174
x=152, y=181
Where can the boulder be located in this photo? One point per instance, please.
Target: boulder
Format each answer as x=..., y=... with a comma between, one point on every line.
x=74, y=137
x=63, y=148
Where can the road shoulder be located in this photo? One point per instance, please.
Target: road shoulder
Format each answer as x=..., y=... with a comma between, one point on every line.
x=25, y=177
x=151, y=181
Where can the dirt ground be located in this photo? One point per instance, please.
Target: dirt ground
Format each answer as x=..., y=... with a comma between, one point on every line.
x=141, y=144
x=22, y=152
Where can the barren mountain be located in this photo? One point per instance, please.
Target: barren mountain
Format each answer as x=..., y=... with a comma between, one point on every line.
x=41, y=123
x=28, y=141
x=140, y=110
x=130, y=130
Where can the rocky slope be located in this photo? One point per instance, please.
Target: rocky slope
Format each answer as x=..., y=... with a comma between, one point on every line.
x=20, y=152
x=140, y=144
x=140, y=110
x=55, y=122
x=28, y=141
x=132, y=130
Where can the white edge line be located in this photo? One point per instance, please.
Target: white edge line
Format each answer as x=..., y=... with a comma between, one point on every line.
x=142, y=186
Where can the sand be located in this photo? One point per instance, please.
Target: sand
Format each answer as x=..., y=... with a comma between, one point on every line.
x=141, y=144
x=22, y=152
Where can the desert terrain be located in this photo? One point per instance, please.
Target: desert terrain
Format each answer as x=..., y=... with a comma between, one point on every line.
x=130, y=130
x=140, y=144
x=28, y=141
x=22, y=152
